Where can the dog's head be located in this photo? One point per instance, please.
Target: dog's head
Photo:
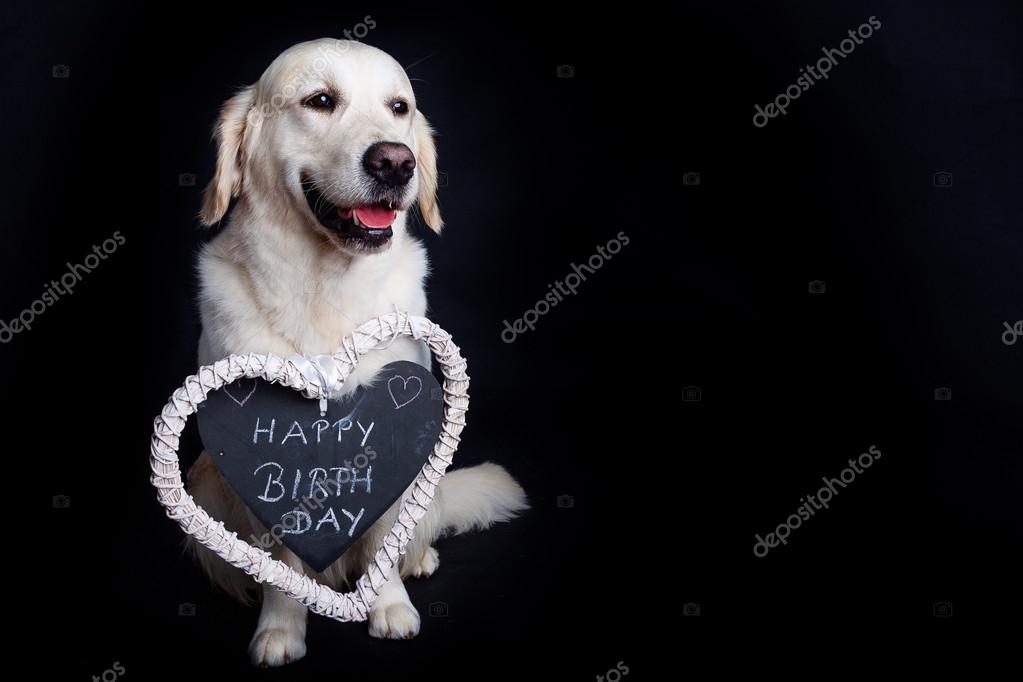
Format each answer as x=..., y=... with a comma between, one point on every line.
x=331, y=130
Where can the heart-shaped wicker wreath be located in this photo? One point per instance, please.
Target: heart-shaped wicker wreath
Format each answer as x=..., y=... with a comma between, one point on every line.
x=195, y=521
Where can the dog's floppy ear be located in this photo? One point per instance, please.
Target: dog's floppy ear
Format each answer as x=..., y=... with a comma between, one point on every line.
x=229, y=134
x=426, y=165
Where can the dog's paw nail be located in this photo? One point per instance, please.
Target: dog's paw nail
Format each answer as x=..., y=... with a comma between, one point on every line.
x=397, y=621
x=275, y=647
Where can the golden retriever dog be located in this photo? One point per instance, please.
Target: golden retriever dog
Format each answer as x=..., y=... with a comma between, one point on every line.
x=326, y=154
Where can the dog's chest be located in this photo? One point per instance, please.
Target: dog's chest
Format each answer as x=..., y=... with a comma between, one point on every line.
x=252, y=303
x=332, y=313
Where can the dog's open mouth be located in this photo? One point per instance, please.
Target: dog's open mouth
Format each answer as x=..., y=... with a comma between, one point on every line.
x=366, y=226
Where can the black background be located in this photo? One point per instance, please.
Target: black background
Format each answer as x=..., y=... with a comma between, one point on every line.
x=712, y=291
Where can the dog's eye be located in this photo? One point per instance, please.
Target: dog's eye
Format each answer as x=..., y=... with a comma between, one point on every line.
x=321, y=100
x=399, y=107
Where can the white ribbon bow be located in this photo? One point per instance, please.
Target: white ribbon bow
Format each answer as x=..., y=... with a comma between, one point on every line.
x=321, y=370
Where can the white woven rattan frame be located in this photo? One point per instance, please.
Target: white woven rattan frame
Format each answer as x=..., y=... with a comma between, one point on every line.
x=195, y=521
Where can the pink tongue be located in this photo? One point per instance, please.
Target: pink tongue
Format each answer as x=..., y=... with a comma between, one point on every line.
x=375, y=216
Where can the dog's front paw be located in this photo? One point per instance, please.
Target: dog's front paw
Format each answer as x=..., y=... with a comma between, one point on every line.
x=427, y=564
x=275, y=647
x=397, y=621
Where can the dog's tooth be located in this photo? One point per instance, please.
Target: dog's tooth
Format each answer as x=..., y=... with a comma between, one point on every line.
x=355, y=217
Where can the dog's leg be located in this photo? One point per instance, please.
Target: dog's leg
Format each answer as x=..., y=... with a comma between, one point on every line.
x=392, y=615
x=428, y=562
x=280, y=634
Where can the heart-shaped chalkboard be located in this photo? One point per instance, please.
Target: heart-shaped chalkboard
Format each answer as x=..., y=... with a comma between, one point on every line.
x=318, y=481
x=314, y=377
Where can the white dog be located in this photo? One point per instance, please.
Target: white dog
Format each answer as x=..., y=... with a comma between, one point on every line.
x=326, y=155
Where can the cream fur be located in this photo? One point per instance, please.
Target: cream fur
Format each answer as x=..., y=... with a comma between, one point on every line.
x=273, y=282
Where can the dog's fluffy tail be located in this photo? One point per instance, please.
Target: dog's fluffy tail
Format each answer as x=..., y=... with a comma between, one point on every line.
x=477, y=497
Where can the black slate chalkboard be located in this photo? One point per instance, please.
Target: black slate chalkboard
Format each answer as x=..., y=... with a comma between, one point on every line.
x=317, y=482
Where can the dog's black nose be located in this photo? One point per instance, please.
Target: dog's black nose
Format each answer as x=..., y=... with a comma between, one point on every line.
x=391, y=163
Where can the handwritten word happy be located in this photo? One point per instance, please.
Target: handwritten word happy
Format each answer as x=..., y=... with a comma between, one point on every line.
x=317, y=427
